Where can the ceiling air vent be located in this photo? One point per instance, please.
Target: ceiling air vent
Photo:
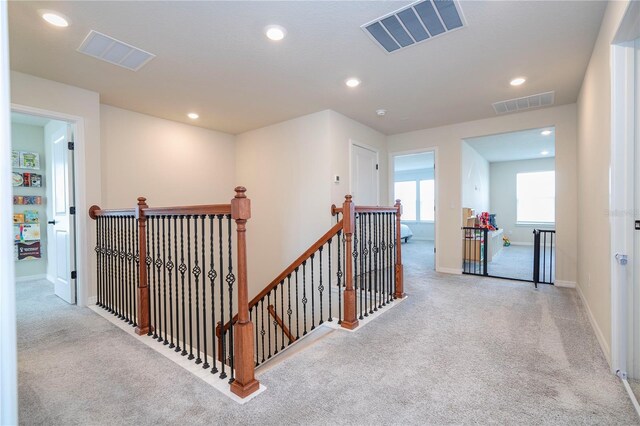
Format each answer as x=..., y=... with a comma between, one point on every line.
x=528, y=102
x=415, y=23
x=114, y=51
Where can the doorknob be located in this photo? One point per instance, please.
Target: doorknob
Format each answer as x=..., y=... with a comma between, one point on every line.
x=52, y=222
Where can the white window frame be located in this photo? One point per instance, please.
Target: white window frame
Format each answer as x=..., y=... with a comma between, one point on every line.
x=533, y=223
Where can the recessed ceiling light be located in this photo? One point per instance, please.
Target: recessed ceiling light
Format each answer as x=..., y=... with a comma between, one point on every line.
x=54, y=18
x=546, y=132
x=545, y=152
x=381, y=112
x=275, y=32
x=352, y=82
x=518, y=81
x=193, y=116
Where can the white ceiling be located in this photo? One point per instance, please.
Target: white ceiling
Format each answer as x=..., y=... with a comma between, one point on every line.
x=402, y=163
x=523, y=145
x=213, y=58
x=31, y=120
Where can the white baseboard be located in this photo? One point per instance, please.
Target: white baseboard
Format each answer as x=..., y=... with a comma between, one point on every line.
x=516, y=243
x=565, y=284
x=455, y=271
x=93, y=300
x=51, y=278
x=601, y=340
x=31, y=278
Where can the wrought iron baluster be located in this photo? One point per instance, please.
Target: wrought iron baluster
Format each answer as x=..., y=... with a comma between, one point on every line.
x=320, y=286
x=370, y=270
x=262, y=332
x=136, y=270
x=189, y=281
x=196, y=273
x=159, y=278
x=376, y=302
x=175, y=250
x=304, y=296
x=330, y=319
x=212, y=278
x=313, y=302
x=297, y=307
x=274, y=314
x=164, y=281
x=121, y=301
x=255, y=331
x=363, y=264
x=205, y=365
x=148, y=261
x=282, y=310
x=339, y=276
x=154, y=289
x=269, y=326
x=170, y=266
x=231, y=278
x=223, y=346
x=183, y=268
x=383, y=259
x=127, y=259
x=289, y=311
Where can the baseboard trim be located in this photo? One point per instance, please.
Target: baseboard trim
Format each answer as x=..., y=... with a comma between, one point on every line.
x=93, y=300
x=632, y=396
x=601, y=340
x=565, y=284
x=32, y=278
x=517, y=243
x=449, y=270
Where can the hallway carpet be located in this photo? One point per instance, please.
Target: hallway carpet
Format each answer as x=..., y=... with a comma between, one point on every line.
x=459, y=350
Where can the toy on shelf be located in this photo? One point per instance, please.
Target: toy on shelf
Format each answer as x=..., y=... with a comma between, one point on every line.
x=484, y=221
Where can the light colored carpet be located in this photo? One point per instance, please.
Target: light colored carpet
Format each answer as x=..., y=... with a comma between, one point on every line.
x=461, y=349
x=420, y=252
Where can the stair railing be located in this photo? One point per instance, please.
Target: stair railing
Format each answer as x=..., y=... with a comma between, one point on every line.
x=168, y=271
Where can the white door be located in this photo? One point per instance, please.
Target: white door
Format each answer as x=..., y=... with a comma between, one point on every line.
x=62, y=250
x=364, y=176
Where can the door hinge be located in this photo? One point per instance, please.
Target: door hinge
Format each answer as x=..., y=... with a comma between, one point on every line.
x=74, y=275
x=71, y=146
x=637, y=224
x=376, y=167
x=72, y=210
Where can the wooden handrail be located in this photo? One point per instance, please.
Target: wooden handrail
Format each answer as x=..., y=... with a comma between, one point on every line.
x=284, y=328
x=189, y=210
x=95, y=211
x=291, y=269
x=365, y=209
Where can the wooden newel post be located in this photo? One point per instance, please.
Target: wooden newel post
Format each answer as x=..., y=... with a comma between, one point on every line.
x=399, y=273
x=350, y=320
x=245, y=382
x=143, y=326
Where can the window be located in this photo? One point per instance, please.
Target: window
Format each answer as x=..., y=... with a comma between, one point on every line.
x=418, y=199
x=536, y=197
x=406, y=192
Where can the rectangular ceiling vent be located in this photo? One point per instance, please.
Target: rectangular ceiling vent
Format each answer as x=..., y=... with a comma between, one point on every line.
x=415, y=23
x=114, y=51
x=528, y=102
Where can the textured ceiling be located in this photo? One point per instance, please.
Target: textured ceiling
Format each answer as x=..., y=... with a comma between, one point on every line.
x=523, y=145
x=213, y=58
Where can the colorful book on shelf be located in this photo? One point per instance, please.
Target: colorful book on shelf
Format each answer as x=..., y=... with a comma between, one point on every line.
x=31, y=216
x=27, y=251
x=15, y=159
x=26, y=179
x=18, y=218
x=36, y=180
x=30, y=160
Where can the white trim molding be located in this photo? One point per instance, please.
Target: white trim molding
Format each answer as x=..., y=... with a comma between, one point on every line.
x=565, y=284
x=32, y=278
x=454, y=271
x=606, y=350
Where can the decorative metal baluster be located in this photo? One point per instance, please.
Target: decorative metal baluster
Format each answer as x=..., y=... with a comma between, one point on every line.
x=175, y=250
x=330, y=319
x=152, y=224
x=255, y=331
x=383, y=259
x=189, y=283
x=196, y=273
x=393, y=249
x=304, y=296
x=231, y=278
x=262, y=332
x=123, y=268
x=370, y=269
x=275, y=313
x=107, y=263
x=114, y=264
x=269, y=326
x=148, y=262
x=289, y=311
x=362, y=266
x=136, y=269
x=339, y=276
x=223, y=346
x=376, y=302
x=98, y=262
x=170, y=265
x=112, y=271
x=205, y=365
x=128, y=262
x=164, y=280
x=183, y=268
x=390, y=253
x=297, y=308
x=321, y=287
x=282, y=310
x=118, y=260
x=313, y=302
x=158, y=286
x=212, y=277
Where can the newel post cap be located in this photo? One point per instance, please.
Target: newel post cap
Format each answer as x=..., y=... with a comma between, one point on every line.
x=240, y=205
x=142, y=204
x=92, y=212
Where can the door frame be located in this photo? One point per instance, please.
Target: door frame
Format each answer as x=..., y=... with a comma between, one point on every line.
x=352, y=143
x=436, y=177
x=81, y=239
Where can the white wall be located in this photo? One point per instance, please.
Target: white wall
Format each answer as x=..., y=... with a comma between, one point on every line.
x=34, y=92
x=475, y=180
x=285, y=168
x=167, y=162
x=448, y=140
x=25, y=137
x=594, y=136
x=342, y=130
x=503, y=196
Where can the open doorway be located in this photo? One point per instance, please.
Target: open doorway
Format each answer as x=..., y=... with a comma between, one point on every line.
x=508, y=198
x=43, y=205
x=414, y=184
